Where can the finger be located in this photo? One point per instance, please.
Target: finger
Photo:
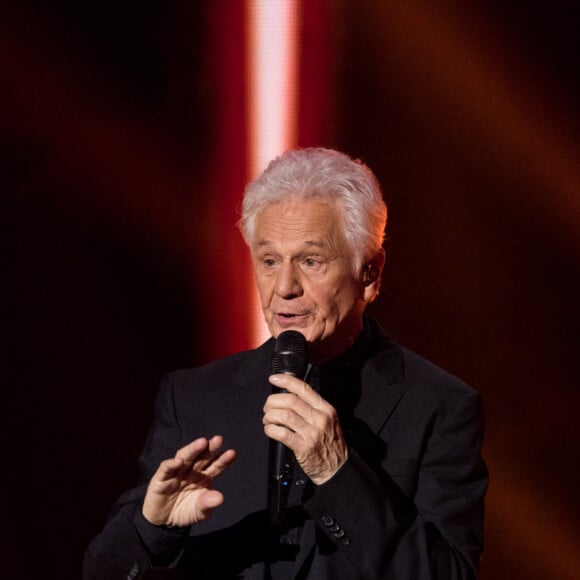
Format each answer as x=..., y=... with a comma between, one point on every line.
x=222, y=457
x=295, y=407
x=293, y=431
x=283, y=435
x=168, y=469
x=299, y=388
x=184, y=458
x=291, y=402
x=220, y=463
x=190, y=452
x=283, y=401
x=207, y=458
x=286, y=417
x=201, y=451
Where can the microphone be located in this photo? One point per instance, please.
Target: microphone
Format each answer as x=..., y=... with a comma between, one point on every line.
x=288, y=358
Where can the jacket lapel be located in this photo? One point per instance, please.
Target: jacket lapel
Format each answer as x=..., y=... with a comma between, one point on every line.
x=382, y=385
x=247, y=401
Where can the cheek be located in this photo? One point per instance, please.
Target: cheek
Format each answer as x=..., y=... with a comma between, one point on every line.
x=331, y=301
x=342, y=300
x=265, y=289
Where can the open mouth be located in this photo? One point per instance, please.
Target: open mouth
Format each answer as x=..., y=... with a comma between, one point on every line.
x=287, y=317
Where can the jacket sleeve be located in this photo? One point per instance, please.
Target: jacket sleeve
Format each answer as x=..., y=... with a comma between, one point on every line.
x=128, y=546
x=436, y=533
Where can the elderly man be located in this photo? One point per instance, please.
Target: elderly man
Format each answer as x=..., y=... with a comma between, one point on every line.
x=388, y=481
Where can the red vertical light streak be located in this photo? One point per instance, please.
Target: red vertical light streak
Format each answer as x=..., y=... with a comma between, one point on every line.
x=314, y=75
x=225, y=274
x=262, y=112
x=272, y=63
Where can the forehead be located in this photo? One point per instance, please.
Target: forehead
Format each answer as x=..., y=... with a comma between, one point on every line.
x=306, y=222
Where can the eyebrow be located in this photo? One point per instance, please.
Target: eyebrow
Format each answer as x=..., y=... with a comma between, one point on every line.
x=308, y=243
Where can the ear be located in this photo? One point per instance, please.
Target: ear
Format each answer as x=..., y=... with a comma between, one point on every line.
x=371, y=276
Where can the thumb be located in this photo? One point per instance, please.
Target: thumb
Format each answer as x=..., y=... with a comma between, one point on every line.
x=208, y=501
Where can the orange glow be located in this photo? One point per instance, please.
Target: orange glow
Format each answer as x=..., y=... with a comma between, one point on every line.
x=448, y=55
x=272, y=65
x=534, y=526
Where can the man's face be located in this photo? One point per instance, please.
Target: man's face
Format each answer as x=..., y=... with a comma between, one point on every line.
x=304, y=273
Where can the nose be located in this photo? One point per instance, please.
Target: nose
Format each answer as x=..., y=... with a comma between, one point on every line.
x=287, y=282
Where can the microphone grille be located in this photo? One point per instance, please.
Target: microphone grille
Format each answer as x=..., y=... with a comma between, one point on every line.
x=289, y=355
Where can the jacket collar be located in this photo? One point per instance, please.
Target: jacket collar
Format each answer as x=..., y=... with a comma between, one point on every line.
x=377, y=357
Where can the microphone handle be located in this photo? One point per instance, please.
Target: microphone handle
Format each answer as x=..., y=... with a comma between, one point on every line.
x=282, y=462
x=281, y=469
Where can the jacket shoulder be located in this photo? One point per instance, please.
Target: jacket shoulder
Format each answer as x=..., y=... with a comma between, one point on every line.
x=236, y=368
x=411, y=371
x=429, y=385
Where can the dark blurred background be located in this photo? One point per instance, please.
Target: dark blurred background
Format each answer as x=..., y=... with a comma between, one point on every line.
x=123, y=163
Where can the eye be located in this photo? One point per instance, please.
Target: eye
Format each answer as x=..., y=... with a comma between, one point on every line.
x=269, y=262
x=313, y=265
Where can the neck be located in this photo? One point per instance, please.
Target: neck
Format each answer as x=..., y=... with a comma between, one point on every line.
x=335, y=345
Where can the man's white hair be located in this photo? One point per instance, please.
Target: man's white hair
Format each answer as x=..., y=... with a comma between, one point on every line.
x=328, y=175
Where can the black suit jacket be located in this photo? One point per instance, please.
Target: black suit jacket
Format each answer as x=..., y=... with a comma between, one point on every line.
x=407, y=505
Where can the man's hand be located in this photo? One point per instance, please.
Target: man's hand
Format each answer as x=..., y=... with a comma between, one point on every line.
x=180, y=494
x=307, y=424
